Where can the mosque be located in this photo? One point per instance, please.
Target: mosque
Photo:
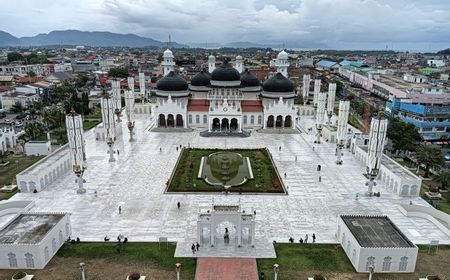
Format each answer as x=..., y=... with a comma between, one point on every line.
x=225, y=98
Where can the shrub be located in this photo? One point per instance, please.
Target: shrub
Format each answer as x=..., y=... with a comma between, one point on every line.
x=319, y=277
x=19, y=275
x=134, y=276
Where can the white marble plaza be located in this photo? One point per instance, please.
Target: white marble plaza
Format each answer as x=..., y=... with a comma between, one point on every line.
x=136, y=182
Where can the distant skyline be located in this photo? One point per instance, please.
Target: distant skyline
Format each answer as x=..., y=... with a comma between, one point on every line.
x=415, y=25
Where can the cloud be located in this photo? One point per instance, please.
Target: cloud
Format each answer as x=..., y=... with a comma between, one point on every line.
x=334, y=23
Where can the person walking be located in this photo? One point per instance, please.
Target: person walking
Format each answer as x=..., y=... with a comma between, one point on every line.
x=193, y=248
x=120, y=210
x=314, y=237
x=284, y=175
x=197, y=246
x=301, y=240
x=178, y=205
x=320, y=179
x=306, y=238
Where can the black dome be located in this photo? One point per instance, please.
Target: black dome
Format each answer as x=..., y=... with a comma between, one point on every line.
x=172, y=82
x=201, y=79
x=278, y=83
x=225, y=72
x=248, y=79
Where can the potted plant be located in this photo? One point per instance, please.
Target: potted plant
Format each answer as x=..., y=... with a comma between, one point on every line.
x=135, y=276
x=19, y=276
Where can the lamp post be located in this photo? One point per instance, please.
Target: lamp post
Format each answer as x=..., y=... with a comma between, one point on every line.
x=276, y=268
x=129, y=109
x=178, y=269
x=317, y=84
x=344, y=107
x=305, y=90
x=74, y=126
x=107, y=106
x=321, y=100
x=371, y=269
x=82, y=267
x=330, y=101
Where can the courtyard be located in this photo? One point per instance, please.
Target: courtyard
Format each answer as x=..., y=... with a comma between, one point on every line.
x=136, y=181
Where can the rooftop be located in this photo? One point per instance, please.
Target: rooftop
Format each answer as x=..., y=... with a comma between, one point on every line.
x=376, y=231
x=29, y=228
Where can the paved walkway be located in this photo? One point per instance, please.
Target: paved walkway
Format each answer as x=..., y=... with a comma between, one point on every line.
x=226, y=269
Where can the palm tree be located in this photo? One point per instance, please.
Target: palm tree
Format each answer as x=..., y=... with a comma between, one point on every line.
x=33, y=130
x=430, y=156
x=443, y=177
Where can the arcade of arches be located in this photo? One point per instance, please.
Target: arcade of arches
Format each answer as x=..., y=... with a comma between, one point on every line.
x=279, y=122
x=171, y=120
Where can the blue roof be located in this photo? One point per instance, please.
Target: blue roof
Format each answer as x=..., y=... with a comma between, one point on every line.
x=345, y=62
x=326, y=63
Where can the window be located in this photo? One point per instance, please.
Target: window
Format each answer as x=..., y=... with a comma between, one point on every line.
x=252, y=119
x=54, y=245
x=29, y=261
x=190, y=118
x=370, y=262
x=197, y=118
x=259, y=119
x=61, y=237
x=46, y=253
x=205, y=118
x=386, y=264
x=12, y=260
x=245, y=119
x=403, y=264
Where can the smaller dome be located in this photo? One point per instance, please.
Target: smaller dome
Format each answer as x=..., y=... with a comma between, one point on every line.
x=282, y=55
x=211, y=57
x=248, y=79
x=278, y=83
x=238, y=57
x=225, y=72
x=201, y=79
x=172, y=82
x=168, y=53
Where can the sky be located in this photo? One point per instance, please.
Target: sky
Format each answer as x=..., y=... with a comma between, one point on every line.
x=340, y=24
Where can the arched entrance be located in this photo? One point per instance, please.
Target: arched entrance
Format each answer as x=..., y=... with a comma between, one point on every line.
x=216, y=124
x=170, y=121
x=226, y=233
x=279, y=122
x=288, y=122
x=234, y=124
x=225, y=125
x=179, y=120
x=162, y=120
x=270, y=121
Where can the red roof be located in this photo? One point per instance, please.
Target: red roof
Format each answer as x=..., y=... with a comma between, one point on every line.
x=198, y=105
x=251, y=106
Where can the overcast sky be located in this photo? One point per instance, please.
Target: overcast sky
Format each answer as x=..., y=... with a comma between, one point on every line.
x=368, y=24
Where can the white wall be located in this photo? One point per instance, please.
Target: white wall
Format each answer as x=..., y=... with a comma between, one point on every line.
x=38, y=148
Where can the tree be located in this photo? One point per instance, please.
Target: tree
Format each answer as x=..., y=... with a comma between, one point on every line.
x=81, y=80
x=14, y=56
x=17, y=107
x=31, y=73
x=52, y=118
x=443, y=177
x=33, y=130
x=36, y=59
x=3, y=156
x=430, y=156
x=403, y=135
x=118, y=72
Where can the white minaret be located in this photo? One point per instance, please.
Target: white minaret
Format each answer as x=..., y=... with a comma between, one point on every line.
x=305, y=89
x=129, y=103
x=282, y=63
x=320, y=112
x=377, y=138
x=211, y=63
x=344, y=107
x=330, y=101
x=74, y=125
x=239, y=66
x=108, y=107
x=317, y=84
x=142, y=85
x=167, y=63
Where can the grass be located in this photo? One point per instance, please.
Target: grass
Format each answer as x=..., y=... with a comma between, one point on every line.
x=295, y=258
x=17, y=163
x=185, y=176
x=90, y=124
x=138, y=253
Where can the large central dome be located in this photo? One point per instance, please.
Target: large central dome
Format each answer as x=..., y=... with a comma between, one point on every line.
x=225, y=73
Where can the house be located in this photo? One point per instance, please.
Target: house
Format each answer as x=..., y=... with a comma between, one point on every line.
x=59, y=77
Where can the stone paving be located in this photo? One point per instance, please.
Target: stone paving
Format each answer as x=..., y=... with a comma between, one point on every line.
x=136, y=182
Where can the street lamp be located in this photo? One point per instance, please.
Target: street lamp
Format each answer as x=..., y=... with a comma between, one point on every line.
x=82, y=267
x=178, y=269
x=276, y=268
x=371, y=269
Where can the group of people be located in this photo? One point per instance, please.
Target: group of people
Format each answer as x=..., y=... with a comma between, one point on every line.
x=305, y=240
x=195, y=247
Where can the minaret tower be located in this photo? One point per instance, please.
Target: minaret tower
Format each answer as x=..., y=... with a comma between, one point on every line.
x=330, y=101
x=305, y=90
x=344, y=107
x=167, y=63
x=239, y=66
x=377, y=138
x=108, y=107
x=282, y=63
x=74, y=125
x=211, y=63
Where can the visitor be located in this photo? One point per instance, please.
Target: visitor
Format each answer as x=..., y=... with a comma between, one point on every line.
x=125, y=240
x=301, y=240
x=120, y=210
x=35, y=191
x=95, y=193
x=106, y=238
x=78, y=240
x=160, y=149
x=254, y=212
x=284, y=175
x=291, y=240
x=319, y=167
x=118, y=238
x=178, y=205
x=320, y=179
x=117, y=151
x=279, y=148
x=313, y=146
x=177, y=148
x=295, y=158
x=306, y=238
x=240, y=190
x=193, y=248
x=197, y=246
x=314, y=237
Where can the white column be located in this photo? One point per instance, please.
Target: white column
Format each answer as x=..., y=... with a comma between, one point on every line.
x=305, y=89
x=142, y=84
x=330, y=101
x=75, y=136
x=317, y=84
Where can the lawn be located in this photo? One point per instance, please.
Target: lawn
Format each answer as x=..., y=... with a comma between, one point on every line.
x=294, y=259
x=17, y=163
x=185, y=179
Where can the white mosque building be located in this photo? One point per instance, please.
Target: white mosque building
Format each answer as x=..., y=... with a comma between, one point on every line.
x=225, y=98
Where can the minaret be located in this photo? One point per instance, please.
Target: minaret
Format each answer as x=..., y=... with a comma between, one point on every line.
x=306, y=81
x=344, y=107
x=142, y=85
x=282, y=63
x=211, y=63
x=330, y=101
x=108, y=107
x=377, y=138
x=321, y=100
x=129, y=104
x=239, y=66
x=74, y=125
x=167, y=62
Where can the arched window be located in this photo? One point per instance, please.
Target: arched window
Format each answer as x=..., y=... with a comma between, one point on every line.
x=252, y=119
x=205, y=118
x=54, y=245
x=259, y=119
x=387, y=264
x=190, y=118
x=46, y=253
x=12, y=260
x=29, y=261
x=354, y=255
x=370, y=262
x=245, y=119
x=197, y=118
x=348, y=246
x=343, y=238
x=403, y=264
